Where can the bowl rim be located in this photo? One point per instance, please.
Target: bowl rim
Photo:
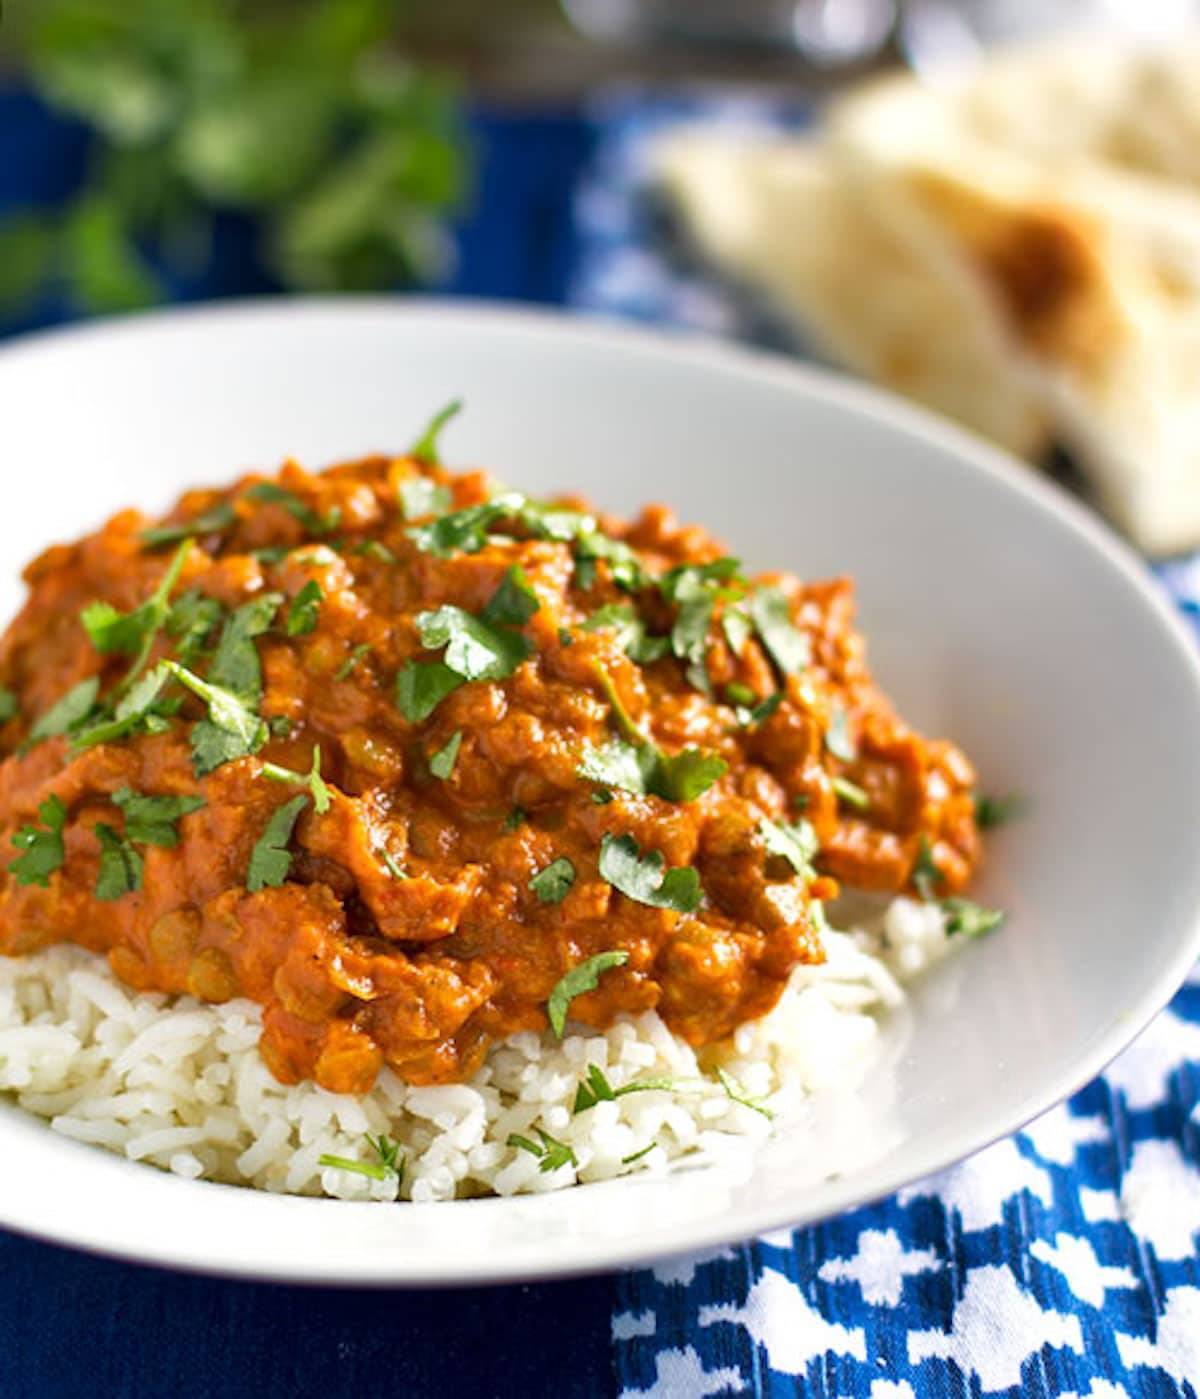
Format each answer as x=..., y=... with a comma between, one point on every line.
x=702, y=351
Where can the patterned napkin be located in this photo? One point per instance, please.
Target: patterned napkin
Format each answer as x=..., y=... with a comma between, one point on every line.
x=1062, y=1261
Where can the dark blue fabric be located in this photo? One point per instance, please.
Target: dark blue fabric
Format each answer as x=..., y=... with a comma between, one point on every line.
x=72, y=1325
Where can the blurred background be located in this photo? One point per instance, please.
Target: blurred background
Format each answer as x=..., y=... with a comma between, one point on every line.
x=177, y=150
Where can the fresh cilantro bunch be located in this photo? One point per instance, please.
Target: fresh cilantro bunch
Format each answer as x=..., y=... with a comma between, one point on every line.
x=296, y=114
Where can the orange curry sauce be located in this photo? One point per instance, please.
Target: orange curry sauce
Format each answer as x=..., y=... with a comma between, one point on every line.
x=416, y=918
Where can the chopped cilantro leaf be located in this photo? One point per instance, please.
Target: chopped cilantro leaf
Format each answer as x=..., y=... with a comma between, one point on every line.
x=474, y=649
x=421, y=497
x=42, y=846
x=348, y=665
x=643, y=769
x=120, y=865
x=787, y=646
x=591, y=545
x=925, y=874
x=392, y=865
x=738, y=629
x=311, y=779
x=213, y=521
x=686, y=775
x=740, y=694
x=389, y=1166
x=231, y=730
x=637, y=1155
x=631, y=632
x=797, y=844
x=139, y=711
x=595, y=1088
x=133, y=633
x=643, y=879
x=515, y=819
x=302, y=614
x=152, y=820
x=851, y=793
x=441, y=763
x=970, y=919
x=191, y=621
x=464, y=530
x=270, y=860
x=580, y=979
x=550, y=1152
x=269, y=493
x=425, y=448
x=837, y=736
x=421, y=686
x=375, y=549
x=553, y=884
x=995, y=811
x=68, y=712
x=9, y=705
x=751, y=718
x=513, y=602
x=738, y=1094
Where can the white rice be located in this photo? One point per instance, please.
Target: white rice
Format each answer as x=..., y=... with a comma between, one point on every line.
x=182, y=1086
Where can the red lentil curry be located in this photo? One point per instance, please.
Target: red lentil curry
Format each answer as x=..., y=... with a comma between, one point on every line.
x=416, y=763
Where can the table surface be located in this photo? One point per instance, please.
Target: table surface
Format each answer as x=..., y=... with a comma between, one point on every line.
x=77, y=1325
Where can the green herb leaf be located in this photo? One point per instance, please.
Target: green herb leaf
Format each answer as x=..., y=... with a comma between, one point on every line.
x=686, y=775
x=441, y=763
x=421, y=686
x=595, y=1088
x=837, y=735
x=139, y=711
x=631, y=632
x=44, y=851
x=851, y=793
x=152, y=820
x=474, y=649
x=970, y=919
x=232, y=729
x=392, y=865
x=787, y=646
x=390, y=1165
x=348, y=665
x=270, y=860
x=421, y=496
x=120, y=865
x=213, y=521
x=465, y=530
x=269, y=493
x=374, y=549
x=553, y=884
x=751, y=718
x=580, y=979
x=68, y=712
x=644, y=769
x=996, y=811
x=551, y=1153
x=10, y=706
x=311, y=779
x=513, y=602
x=643, y=879
x=738, y=629
x=425, y=448
x=515, y=819
x=192, y=620
x=623, y=563
x=734, y=1090
x=925, y=874
x=302, y=614
x=637, y=1155
x=797, y=844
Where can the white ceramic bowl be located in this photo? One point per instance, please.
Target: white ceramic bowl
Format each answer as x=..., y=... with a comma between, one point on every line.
x=999, y=613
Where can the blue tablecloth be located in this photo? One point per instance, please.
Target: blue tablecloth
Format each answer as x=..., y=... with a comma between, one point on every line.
x=1061, y=1261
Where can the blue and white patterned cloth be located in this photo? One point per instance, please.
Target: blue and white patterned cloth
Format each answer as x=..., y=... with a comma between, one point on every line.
x=1062, y=1261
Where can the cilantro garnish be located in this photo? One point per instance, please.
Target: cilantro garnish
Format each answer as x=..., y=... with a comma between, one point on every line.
x=643, y=879
x=995, y=811
x=389, y=1166
x=425, y=448
x=595, y=1088
x=421, y=497
x=637, y=1155
x=475, y=649
x=212, y=521
x=553, y=884
x=441, y=763
x=302, y=614
x=734, y=1090
x=270, y=860
x=645, y=769
x=851, y=793
x=421, y=686
x=192, y=620
x=787, y=646
x=751, y=718
x=120, y=865
x=269, y=493
x=66, y=713
x=550, y=1152
x=351, y=661
x=10, y=706
x=513, y=602
x=392, y=865
x=464, y=530
x=580, y=979
x=139, y=711
x=515, y=819
x=970, y=919
x=925, y=874
x=374, y=549
x=695, y=590
x=739, y=694
x=797, y=844
x=311, y=779
x=152, y=820
x=133, y=633
x=42, y=846
x=623, y=563
x=837, y=735
x=631, y=632
x=738, y=629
